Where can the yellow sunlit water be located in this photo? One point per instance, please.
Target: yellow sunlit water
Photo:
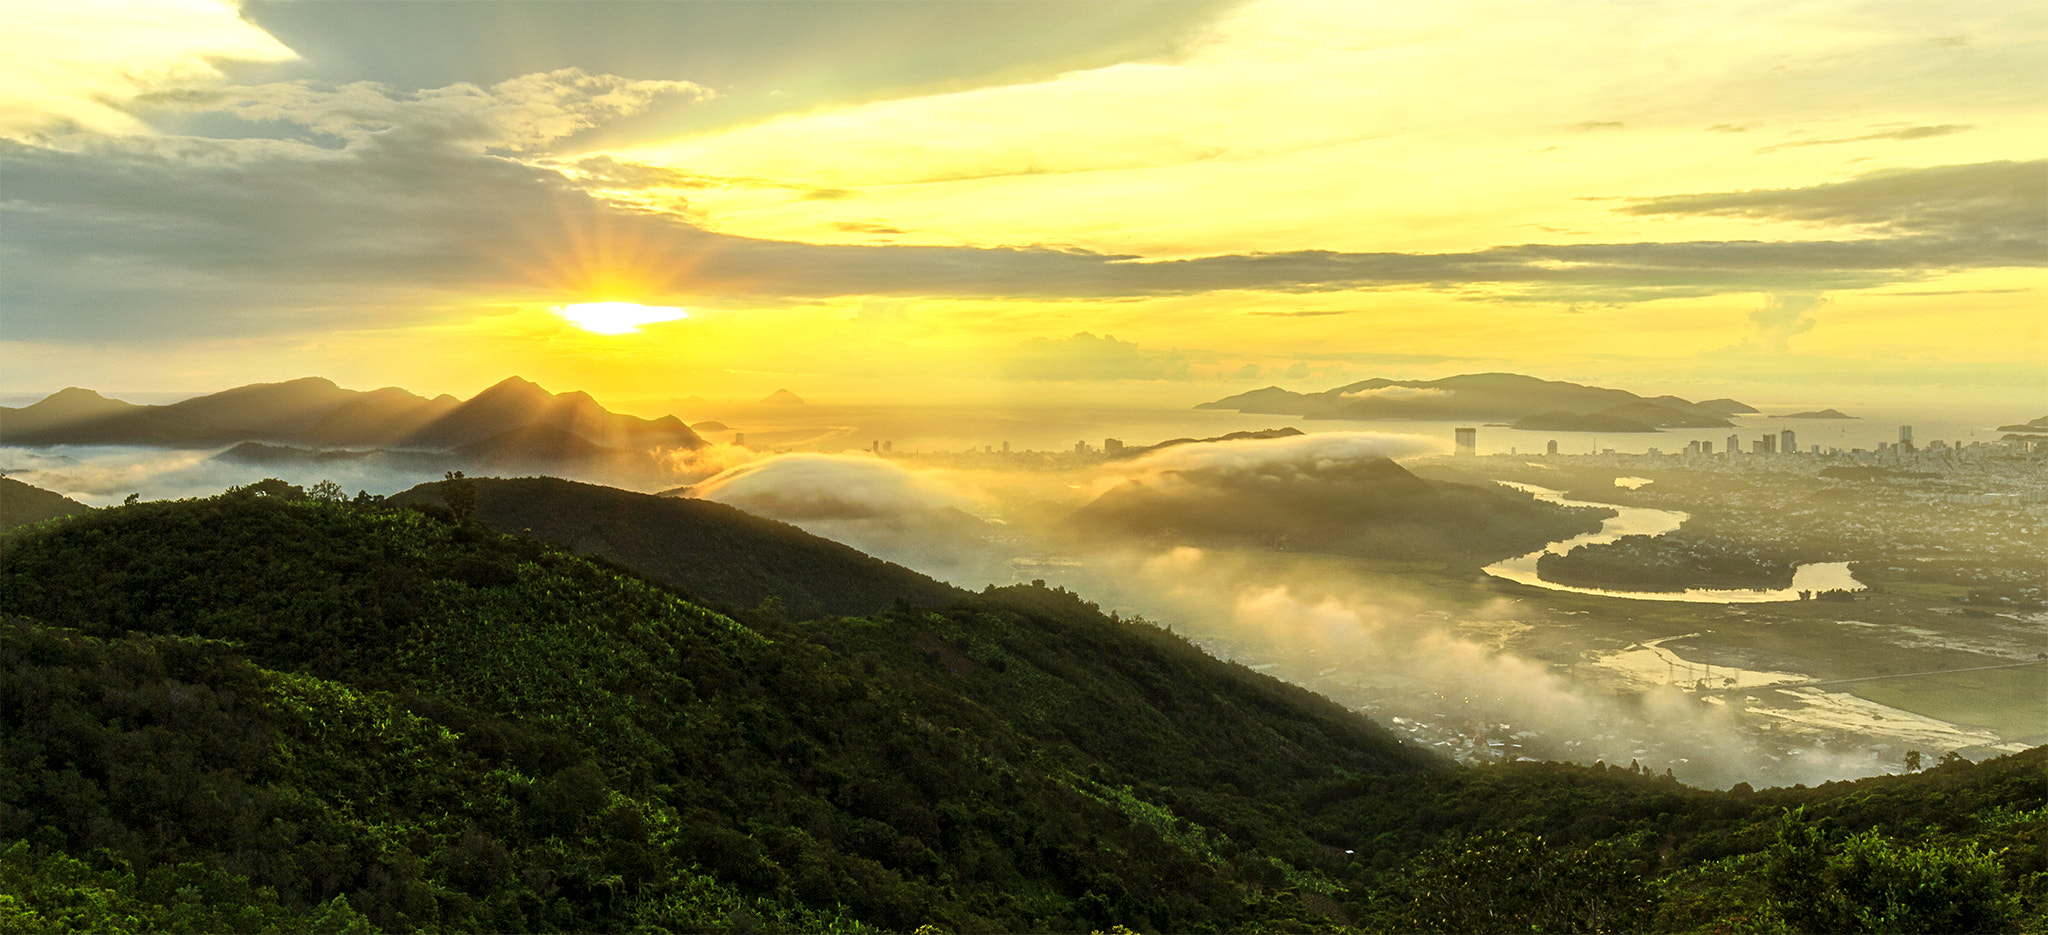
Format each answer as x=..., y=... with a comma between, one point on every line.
x=618, y=317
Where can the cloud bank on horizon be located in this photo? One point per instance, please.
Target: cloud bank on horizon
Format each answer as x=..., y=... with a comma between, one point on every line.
x=1231, y=189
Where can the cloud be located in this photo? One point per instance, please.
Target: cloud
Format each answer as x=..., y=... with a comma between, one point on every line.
x=518, y=115
x=1903, y=133
x=75, y=66
x=401, y=204
x=1298, y=454
x=1087, y=357
x=1398, y=392
x=1999, y=209
x=800, y=487
x=1782, y=317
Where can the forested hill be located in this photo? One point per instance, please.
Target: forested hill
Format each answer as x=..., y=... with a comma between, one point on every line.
x=449, y=728
x=21, y=504
x=708, y=549
x=254, y=713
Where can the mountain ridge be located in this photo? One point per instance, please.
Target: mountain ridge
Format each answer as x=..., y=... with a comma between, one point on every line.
x=316, y=411
x=1479, y=397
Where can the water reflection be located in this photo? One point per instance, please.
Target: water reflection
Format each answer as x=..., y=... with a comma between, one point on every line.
x=1644, y=521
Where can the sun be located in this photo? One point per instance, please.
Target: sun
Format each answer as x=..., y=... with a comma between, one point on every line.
x=617, y=317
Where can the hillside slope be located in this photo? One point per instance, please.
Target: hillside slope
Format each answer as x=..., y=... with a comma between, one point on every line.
x=447, y=728
x=22, y=504
x=254, y=714
x=711, y=550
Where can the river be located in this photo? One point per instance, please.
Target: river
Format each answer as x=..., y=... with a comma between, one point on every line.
x=1644, y=521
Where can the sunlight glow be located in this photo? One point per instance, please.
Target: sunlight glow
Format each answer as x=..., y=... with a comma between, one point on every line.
x=617, y=317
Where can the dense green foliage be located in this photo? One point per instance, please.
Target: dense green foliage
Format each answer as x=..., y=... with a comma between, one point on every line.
x=255, y=713
x=1663, y=563
x=710, y=550
x=21, y=504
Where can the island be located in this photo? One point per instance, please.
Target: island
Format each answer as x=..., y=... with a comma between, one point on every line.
x=1822, y=414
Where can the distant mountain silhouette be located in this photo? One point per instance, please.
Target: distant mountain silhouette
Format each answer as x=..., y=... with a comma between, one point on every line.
x=22, y=504
x=783, y=397
x=77, y=416
x=379, y=417
x=514, y=422
x=1726, y=407
x=1370, y=507
x=2038, y=425
x=519, y=404
x=712, y=550
x=1822, y=414
x=1476, y=397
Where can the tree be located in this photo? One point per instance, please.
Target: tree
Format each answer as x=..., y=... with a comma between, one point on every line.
x=1912, y=761
x=327, y=491
x=459, y=493
x=1503, y=881
x=269, y=487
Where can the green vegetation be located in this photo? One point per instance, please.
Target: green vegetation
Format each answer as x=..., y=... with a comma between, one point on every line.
x=1663, y=563
x=268, y=712
x=21, y=504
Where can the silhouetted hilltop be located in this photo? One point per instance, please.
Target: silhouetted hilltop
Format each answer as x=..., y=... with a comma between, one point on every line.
x=1822, y=414
x=1370, y=507
x=275, y=411
x=516, y=404
x=1725, y=407
x=379, y=418
x=1477, y=397
x=76, y=416
x=712, y=550
x=783, y=397
x=2038, y=425
x=22, y=504
x=515, y=421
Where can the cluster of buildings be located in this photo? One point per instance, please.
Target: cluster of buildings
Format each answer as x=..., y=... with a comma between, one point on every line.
x=1784, y=442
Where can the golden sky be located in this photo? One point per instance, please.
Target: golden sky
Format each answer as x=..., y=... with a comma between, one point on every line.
x=1150, y=203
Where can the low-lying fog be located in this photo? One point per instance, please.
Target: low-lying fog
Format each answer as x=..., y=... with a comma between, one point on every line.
x=1438, y=667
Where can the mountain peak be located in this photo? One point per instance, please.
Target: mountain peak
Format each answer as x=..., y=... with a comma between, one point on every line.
x=512, y=384
x=783, y=397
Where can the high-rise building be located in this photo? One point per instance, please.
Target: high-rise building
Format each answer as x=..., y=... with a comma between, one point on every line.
x=1906, y=437
x=1767, y=445
x=1788, y=442
x=1112, y=445
x=1551, y=449
x=1734, y=445
x=1468, y=441
x=1706, y=447
x=739, y=439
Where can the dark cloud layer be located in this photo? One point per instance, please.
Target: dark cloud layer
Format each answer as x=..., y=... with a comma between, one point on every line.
x=2000, y=205
x=388, y=203
x=762, y=58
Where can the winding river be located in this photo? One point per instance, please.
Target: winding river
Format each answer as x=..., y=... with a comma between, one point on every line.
x=1643, y=521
